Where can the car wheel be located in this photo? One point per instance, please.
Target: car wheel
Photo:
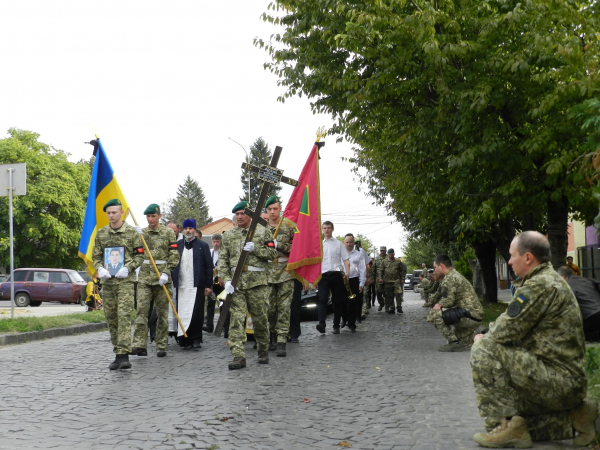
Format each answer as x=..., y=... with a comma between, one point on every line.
x=22, y=299
x=35, y=303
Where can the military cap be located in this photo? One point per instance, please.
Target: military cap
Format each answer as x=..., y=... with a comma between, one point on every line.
x=240, y=205
x=152, y=209
x=391, y=250
x=113, y=202
x=271, y=200
x=383, y=247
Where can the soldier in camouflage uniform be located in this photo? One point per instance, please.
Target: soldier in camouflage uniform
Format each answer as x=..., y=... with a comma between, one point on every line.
x=424, y=284
x=281, y=283
x=162, y=243
x=117, y=291
x=399, y=289
x=456, y=293
x=252, y=291
x=528, y=370
x=377, y=275
x=393, y=271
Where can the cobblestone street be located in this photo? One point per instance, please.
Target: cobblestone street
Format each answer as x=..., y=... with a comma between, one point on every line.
x=384, y=387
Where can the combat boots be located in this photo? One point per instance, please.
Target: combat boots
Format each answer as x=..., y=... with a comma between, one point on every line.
x=237, y=363
x=272, y=342
x=120, y=362
x=510, y=433
x=138, y=351
x=399, y=309
x=263, y=357
x=584, y=422
x=125, y=364
x=281, y=349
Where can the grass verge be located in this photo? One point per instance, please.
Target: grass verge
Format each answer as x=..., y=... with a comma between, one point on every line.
x=22, y=324
x=592, y=368
x=491, y=311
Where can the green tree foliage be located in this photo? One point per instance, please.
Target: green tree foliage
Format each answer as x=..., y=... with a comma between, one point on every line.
x=48, y=219
x=259, y=154
x=189, y=203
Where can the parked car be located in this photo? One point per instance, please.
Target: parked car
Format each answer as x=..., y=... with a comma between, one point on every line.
x=415, y=279
x=85, y=276
x=407, y=283
x=309, y=303
x=34, y=286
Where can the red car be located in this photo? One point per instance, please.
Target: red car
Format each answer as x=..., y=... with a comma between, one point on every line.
x=34, y=286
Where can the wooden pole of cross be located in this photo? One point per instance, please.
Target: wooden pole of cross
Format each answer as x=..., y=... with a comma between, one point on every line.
x=269, y=175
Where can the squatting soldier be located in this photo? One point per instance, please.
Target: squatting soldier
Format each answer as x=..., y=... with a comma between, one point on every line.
x=117, y=290
x=393, y=271
x=281, y=283
x=377, y=275
x=463, y=309
x=424, y=284
x=528, y=370
x=162, y=243
x=252, y=290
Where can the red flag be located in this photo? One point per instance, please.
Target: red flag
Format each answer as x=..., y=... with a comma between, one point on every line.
x=304, y=209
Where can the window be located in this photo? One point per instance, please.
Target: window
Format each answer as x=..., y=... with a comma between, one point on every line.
x=20, y=275
x=76, y=278
x=59, y=277
x=41, y=277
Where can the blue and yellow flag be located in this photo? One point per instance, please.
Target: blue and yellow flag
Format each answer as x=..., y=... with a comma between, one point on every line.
x=103, y=187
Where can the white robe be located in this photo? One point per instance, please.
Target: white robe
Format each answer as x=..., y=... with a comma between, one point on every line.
x=186, y=295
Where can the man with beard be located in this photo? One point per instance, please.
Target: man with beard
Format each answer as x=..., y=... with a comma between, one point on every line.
x=193, y=281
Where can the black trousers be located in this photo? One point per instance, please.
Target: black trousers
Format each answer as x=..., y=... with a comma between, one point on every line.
x=210, y=307
x=591, y=328
x=334, y=283
x=372, y=294
x=353, y=305
x=296, y=311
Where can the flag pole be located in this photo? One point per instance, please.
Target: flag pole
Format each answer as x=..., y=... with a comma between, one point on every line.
x=158, y=275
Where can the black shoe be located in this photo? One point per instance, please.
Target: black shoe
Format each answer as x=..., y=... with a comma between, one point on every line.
x=237, y=363
x=353, y=330
x=263, y=357
x=359, y=321
x=343, y=324
x=116, y=363
x=400, y=311
x=186, y=346
x=208, y=329
x=336, y=330
x=281, y=349
x=321, y=328
x=272, y=342
x=363, y=317
x=161, y=353
x=125, y=364
x=138, y=351
x=391, y=311
x=196, y=344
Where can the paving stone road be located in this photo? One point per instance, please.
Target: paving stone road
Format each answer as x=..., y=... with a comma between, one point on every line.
x=384, y=387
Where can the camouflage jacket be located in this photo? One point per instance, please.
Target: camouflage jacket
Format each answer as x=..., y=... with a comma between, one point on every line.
x=377, y=268
x=544, y=318
x=276, y=272
x=424, y=284
x=457, y=292
x=231, y=249
x=127, y=237
x=393, y=271
x=162, y=244
x=433, y=287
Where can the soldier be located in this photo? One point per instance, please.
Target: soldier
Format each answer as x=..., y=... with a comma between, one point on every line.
x=162, y=243
x=281, y=283
x=528, y=370
x=424, y=284
x=399, y=288
x=393, y=270
x=463, y=311
x=377, y=275
x=117, y=291
x=252, y=290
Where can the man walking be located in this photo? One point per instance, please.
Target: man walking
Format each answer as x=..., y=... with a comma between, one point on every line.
x=357, y=277
x=377, y=275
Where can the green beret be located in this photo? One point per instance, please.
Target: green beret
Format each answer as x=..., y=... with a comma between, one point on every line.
x=152, y=209
x=113, y=202
x=391, y=250
x=240, y=205
x=271, y=200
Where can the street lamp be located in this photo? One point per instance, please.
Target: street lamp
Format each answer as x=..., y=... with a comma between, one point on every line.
x=248, y=159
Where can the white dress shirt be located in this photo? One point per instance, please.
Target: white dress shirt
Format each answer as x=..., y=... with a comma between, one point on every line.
x=358, y=268
x=365, y=255
x=334, y=253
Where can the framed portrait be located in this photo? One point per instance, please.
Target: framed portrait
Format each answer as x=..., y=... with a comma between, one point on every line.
x=114, y=258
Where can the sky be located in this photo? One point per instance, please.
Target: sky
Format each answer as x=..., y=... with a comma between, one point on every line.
x=165, y=85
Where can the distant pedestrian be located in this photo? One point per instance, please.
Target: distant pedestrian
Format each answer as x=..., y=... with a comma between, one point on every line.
x=574, y=268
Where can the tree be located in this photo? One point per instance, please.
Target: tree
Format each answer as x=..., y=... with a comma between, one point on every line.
x=457, y=109
x=189, y=203
x=48, y=219
x=259, y=154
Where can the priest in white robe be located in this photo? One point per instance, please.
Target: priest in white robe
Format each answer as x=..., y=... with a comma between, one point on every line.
x=193, y=280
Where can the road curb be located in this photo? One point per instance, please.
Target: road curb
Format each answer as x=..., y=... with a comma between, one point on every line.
x=21, y=338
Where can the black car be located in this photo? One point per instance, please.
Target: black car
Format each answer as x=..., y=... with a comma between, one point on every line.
x=415, y=279
x=309, y=303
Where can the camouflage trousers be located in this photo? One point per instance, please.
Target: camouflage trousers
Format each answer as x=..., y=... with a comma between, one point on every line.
x=390, y=290
x=463, y=331
x=379, y=293
x=145, y=294
x=512, y=381
x=366, y=303
x=118, y=304
x=280, y=306
x=255, y=301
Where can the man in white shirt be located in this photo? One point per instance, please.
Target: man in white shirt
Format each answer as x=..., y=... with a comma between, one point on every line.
x=335, y=259
x=357, y=278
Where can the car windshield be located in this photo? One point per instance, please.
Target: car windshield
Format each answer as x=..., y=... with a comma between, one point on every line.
x=76, y=278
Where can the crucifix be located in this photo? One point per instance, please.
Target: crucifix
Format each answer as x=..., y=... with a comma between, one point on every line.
x=269, y=175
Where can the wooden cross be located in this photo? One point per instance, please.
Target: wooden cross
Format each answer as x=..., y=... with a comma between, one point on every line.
x=269, y=175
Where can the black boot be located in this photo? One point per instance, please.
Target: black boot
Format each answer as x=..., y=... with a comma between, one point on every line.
x=125, y=364
x=263, y=357
x=237, y=363
x=116, y=363
x=281, y=349
x=272, y=342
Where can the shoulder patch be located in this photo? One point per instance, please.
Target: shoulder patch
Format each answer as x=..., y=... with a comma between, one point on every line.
x=515, y=307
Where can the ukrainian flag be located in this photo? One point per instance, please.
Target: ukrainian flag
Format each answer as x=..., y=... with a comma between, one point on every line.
x=103, y=187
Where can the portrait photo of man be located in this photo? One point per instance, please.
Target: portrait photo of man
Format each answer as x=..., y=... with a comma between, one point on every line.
x=113, y=259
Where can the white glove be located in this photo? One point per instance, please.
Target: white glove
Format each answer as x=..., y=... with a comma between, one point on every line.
x=123, y=273
x=164, y=278
x=138, y=229
x=275, y=242
x=103, y=274
x=229, y=288
x=249, y=247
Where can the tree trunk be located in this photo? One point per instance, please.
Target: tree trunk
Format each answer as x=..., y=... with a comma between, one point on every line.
x=486, y=254
x=503, y=232
x=558, y=215
x=478, y=283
